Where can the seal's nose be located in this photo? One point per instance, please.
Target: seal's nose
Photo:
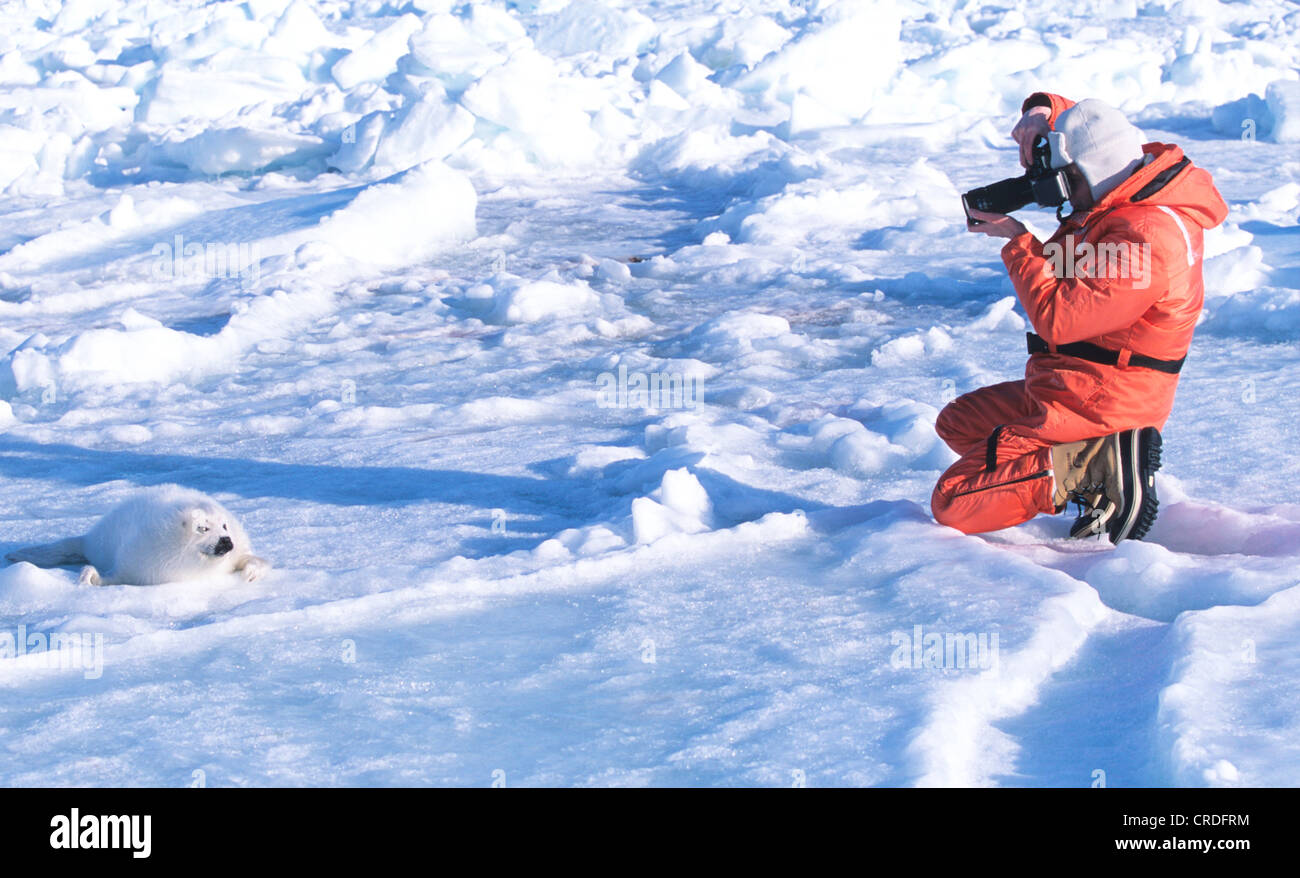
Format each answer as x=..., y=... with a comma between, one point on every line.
x=224, y=545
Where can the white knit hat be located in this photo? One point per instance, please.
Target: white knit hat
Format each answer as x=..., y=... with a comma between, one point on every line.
x=1098, y=138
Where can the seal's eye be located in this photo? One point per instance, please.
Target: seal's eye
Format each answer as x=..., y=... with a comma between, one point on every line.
x=201, y=528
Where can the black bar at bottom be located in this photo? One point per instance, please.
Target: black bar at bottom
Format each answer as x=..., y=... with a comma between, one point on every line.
x=214, y=826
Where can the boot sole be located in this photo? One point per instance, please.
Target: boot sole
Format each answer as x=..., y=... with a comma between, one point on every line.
x=1139, y=460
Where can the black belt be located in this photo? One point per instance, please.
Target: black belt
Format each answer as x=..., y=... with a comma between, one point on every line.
x=1095, y=354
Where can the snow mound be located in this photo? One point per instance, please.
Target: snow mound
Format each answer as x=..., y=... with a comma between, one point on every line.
x=400, y=220
x=679, y=505
x=146, y=351
x=1229, y=714
x=910, y=347
x=530, y=302
x=738, y=334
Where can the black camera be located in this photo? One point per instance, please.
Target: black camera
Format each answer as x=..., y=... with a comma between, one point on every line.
x=1041, y=184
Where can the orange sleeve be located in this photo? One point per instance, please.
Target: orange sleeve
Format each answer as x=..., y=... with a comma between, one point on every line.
x=1079, y=306
x=1055, y=103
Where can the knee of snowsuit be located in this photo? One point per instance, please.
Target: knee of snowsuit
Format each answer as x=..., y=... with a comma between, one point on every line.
x=1142, y=299
x=973, y=498
x=1004, y=475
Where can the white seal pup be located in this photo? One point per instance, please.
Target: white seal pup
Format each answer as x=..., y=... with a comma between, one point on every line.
x=163, y=534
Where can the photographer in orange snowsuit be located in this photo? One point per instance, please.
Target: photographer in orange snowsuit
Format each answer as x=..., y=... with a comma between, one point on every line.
x=1113, y=297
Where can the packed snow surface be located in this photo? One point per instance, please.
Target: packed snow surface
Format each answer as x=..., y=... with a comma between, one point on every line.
x=576, y=364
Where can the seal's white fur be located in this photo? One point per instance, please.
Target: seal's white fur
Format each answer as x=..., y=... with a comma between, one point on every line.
x=163, y=534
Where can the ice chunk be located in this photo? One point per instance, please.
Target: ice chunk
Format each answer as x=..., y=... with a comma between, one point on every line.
x=1000, y=315
x=1283, y=97
x=377, y=57
x=298, y=32
x=429, y=128
x=679, y=505
x=18, y=149
x=444, y=47
x=742, y=40
x=358, y=142
x=684, y=74
x=1247, y=117
x=681, y=492
x=545, y=114
x=589, y=26
x=209, y=92
x=223, y=150
x=842, y=63
x=15, y=71
x=494, y=26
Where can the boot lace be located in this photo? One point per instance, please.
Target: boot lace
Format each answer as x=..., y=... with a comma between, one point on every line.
x=1087, y=500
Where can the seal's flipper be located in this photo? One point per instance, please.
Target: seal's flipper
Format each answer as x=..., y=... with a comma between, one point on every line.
x=60, y=554
x=252, y=567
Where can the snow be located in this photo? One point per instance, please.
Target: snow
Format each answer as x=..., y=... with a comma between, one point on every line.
x=364, y=272
x=1283, y=99
x=1242, y=649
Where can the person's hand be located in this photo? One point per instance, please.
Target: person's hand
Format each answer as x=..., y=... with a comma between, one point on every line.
x=1031, y=126
x=996, y=225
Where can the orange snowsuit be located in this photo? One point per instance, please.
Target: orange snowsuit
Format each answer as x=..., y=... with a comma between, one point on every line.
x=1138, y=302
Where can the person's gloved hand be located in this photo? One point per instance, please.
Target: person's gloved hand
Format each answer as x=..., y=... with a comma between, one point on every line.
x=996, y=225
x=1031, y=125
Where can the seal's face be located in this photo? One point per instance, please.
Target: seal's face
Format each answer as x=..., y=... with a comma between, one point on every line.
x=209, y=532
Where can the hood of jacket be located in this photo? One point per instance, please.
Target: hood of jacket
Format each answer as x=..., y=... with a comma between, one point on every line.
x=1168, y=179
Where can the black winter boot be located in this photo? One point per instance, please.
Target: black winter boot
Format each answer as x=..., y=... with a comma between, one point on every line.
x=1112, y=478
